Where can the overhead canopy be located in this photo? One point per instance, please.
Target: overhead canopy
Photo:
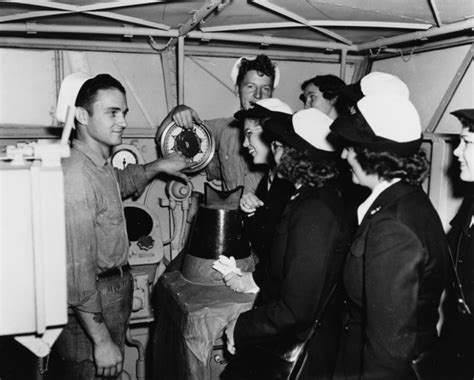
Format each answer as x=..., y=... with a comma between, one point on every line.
x=352, y=25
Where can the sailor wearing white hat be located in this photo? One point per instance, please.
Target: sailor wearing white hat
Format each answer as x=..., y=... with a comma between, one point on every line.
x=254, y=79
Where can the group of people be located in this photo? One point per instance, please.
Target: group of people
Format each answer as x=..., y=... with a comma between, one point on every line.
x=375, y=289
x=390, y=272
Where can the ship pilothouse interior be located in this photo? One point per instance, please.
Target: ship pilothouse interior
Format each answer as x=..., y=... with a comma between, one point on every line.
x=178, y=179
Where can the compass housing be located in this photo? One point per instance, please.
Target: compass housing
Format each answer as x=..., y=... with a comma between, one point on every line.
x=196, y=144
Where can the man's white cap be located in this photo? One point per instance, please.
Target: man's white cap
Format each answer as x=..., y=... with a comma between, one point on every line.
x=275, y=105
x=392, y=117
x=68, y=93
x=313, y=126
x=376, y=83
x=234, y=73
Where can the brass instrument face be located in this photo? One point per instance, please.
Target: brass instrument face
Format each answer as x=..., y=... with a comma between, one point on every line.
x=196, y=144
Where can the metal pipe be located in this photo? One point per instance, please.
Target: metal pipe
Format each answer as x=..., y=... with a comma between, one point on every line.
x=438, y=45
x=268, y=40
x=140, y=365
x=181, y=70
x=433, y=32
x=207, y=51
x=325, y=23
x=33, y=28
x=61, y=44
x=144, y=48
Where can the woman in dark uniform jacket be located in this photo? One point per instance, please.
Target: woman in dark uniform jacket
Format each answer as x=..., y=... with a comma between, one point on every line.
x=309, y=246
x=395, y=272
x=263, y=209
x=458, y=328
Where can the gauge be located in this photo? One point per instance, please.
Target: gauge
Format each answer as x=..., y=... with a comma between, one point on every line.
x=196, y=144
x=124, y=155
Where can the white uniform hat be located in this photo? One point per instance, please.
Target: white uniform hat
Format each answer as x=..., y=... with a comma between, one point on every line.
x=306, y=130
x=68, y=93
x=383, y=123
x=313, y=126
x=391, y=117
x=377, y=83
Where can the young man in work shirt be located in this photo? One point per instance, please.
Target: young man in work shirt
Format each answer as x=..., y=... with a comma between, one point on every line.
x=100, y=284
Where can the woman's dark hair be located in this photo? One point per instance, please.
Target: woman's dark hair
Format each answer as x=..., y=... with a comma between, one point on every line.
x=88, y=93
x=261, y=64
x=412, y=169
x=299, y=168
x=331, y=87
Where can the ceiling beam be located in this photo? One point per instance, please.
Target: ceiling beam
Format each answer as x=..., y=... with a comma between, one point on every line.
x=430, y=46
x=92, y=9
x=327, y=23
x=130, y=19
x=29, y=15
x=434, y=10
x=293, y=16
x=144, y=48
x=418, y=36
x=269, y=40
x=264, y=40
x=33, y=28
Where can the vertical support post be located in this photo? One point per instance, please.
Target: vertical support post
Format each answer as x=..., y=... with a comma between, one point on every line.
x=168, y=62
x=438, y=188
x=58, y=69
x=361, y=69
x=343, y=64
x=180, y=70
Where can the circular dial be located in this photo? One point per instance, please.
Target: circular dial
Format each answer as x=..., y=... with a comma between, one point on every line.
x=124, y=155
x=196, y=144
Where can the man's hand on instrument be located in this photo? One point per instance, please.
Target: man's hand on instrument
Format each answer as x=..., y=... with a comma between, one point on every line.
x=185, y=116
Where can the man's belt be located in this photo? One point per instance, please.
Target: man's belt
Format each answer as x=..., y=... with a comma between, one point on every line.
x=117, y=271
